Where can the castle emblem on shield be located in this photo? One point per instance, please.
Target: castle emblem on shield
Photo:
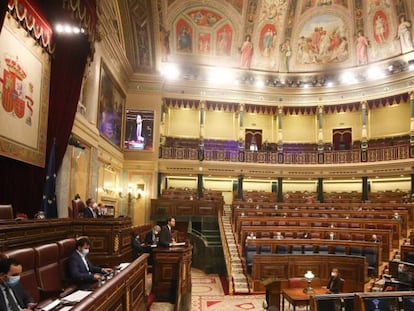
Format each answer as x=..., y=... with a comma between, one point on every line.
x=16, y=92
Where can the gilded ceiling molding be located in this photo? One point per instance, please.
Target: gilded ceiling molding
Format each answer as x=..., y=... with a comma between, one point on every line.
x=85, y=12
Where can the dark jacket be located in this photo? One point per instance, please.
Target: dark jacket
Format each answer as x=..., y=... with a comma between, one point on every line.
x=334, y=285
x=87, y=213
x=151, y=238
x=22, y=297
x=77, y=269
x=165, y=236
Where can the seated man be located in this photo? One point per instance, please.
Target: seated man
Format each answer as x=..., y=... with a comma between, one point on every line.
x=137, y=249
x=334, y=284
x=13, y=296
x=80, y=269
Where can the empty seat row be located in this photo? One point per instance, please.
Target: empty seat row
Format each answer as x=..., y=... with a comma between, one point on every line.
x=369, y=253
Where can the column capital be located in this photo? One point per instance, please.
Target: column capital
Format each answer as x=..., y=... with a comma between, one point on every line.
x=411, y=93
x=364, y=104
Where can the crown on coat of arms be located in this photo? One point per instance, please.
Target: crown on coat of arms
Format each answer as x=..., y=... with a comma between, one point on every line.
x=15, y=68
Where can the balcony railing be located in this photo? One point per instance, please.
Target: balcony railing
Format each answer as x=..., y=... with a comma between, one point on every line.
x=377, y=154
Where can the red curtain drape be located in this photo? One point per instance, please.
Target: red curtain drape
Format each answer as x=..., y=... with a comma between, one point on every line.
x=21, y=184
x=342, y=139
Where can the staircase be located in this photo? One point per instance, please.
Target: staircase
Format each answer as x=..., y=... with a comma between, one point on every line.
x=233, y=260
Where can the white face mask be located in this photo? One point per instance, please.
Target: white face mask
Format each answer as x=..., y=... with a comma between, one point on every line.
x=85, y=252
x=333, y=274
x=12, y=280
x=95, y=205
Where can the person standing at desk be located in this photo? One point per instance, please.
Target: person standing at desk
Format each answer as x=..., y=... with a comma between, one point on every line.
x=13, y=297
x=80, y=268
x=166, y=233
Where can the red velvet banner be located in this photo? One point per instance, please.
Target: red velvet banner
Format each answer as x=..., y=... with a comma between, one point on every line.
x=33, y=21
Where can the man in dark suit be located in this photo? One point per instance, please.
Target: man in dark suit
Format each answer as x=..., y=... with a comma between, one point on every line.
x=13, y=297
x=80, y=268
x=166, y=233
x=89, y=211
x=152, y=237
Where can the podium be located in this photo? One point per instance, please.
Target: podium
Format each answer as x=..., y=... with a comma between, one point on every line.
x=273, y=291
x=171, y=275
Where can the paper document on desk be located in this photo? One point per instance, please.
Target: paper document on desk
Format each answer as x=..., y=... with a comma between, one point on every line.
x=77, y=296
x=177, y=244
x=67, y=308
x=51, y=305
x=123, y=265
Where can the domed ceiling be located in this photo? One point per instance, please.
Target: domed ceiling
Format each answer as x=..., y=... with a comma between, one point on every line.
x=310, y=39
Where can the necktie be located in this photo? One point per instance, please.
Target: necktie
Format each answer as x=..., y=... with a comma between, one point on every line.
x=12, y=302
x=85, y=263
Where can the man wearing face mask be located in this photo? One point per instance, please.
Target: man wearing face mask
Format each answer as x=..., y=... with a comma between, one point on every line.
x=80, y=268
x=13, y=297
x=90, y=210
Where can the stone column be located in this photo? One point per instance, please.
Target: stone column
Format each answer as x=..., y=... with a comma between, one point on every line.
x=279, y=129
x=364, y=188
x=159, y=182
x=412, y=118
x=280, y=189
x=240, y=187
x=412, y=183
x=320, y=129
x=320, y=189
x=202, y=118
x=200, y=186
x=364, y=134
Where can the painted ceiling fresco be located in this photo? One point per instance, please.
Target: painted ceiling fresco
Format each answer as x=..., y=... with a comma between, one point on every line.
x=281, y=35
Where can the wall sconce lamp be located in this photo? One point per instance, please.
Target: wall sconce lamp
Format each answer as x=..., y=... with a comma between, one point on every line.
x=309, y=276
x=411, y=64
x=140, y=190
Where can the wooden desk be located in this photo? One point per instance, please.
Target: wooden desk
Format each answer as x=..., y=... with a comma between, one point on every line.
x=125, y=291
x=171, y=275
x=296, y=296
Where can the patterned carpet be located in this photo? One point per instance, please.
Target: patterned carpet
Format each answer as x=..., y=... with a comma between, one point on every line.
x=208, y=295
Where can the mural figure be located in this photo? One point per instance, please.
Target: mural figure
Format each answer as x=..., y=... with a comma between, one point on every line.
x=380, y=29
x=341, y=52
x=204, y=43
x=184, y=39
x=285, y=53
x=361, y=49
x=246, y=52
x=165, y=43
x=325, y=43
x=268, y=42
x=224, y=43
x=404, y=35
